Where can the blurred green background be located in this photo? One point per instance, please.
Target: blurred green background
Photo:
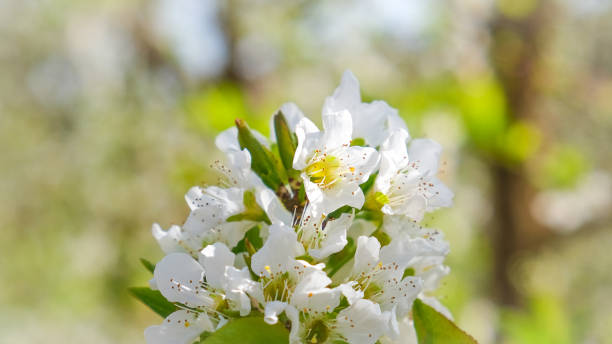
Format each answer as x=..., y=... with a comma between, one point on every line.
x=108, y=112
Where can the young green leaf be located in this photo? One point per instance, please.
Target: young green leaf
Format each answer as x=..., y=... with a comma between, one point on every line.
x=249, y=330
x=148, y=265
x=252, y=212
x=287, y=143
x=434, y=328
x=365, y=187
x=251, y=237
x=154, y=300
x=338, y=212
x=263, y=162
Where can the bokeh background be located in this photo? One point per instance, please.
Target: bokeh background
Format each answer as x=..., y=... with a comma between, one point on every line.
x=108, y=112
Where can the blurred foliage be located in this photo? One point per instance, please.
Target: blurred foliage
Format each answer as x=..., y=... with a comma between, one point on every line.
x=562, y=167
x=544, y=321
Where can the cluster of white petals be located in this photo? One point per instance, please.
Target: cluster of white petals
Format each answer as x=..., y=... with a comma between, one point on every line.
x=335, y=253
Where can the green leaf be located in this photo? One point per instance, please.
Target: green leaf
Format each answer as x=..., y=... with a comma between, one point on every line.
x=287, y=143
x=263, y=162
x=148, y=265
x=338, y=212
x=365, y=187
x=434, y=328
x=358, y=142
x=249, y=330
x=251, y=237
x=154, y=300
x=252, y=212
x=408, y=272
x=383, y=238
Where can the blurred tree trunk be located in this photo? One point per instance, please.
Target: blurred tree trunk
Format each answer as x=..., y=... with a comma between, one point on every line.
x=516, y=51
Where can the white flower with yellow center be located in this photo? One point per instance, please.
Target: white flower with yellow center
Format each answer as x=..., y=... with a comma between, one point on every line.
x=344, y=267
x=331, y=168
x=200, y=288
x=407, y=183
x=381, y=275
x=289, y=285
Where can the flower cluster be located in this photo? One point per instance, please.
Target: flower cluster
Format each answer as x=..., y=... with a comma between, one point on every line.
x=316, y=229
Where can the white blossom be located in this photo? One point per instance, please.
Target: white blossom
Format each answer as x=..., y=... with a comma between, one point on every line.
x=362, y=323
x=180, y=327
x=314, y=253
x=407, y=183
x=331, y=168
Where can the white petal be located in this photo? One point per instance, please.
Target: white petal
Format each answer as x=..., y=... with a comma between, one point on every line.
x=273, y=207
x=227, y=140
x=437, y=305
x=364, y=160
x=433, y=274
x=413, y=207
x=312, y=295
x=395, y=150
x=308, y=136
x=394, y=330
x=211, y=206
x=400, y=295
x=239, y=287
x=426, y=241
x=153, y=284
x=214, y=258
x=350, y=293
x=370, y=121
x=345, y=96
x=442, y=196
x=294, y=317
x=394, y=122
x=180, y=327
x=326, y=201
x=232, y=232
x=335, y=237
x=272, y=310
x=178, y=278
x=425, y=153
x=367, y=320
x=168, y=240
x=400, y=251
x=230, y=198
x=240, y=174
x=367, y=254
x=338, y=129
x=277, y=252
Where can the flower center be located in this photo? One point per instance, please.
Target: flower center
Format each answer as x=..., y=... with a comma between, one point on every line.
x=324, y=171
x=318, y=332
x=278, y=287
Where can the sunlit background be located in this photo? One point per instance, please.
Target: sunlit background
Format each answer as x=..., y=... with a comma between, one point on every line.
x=108, y=111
